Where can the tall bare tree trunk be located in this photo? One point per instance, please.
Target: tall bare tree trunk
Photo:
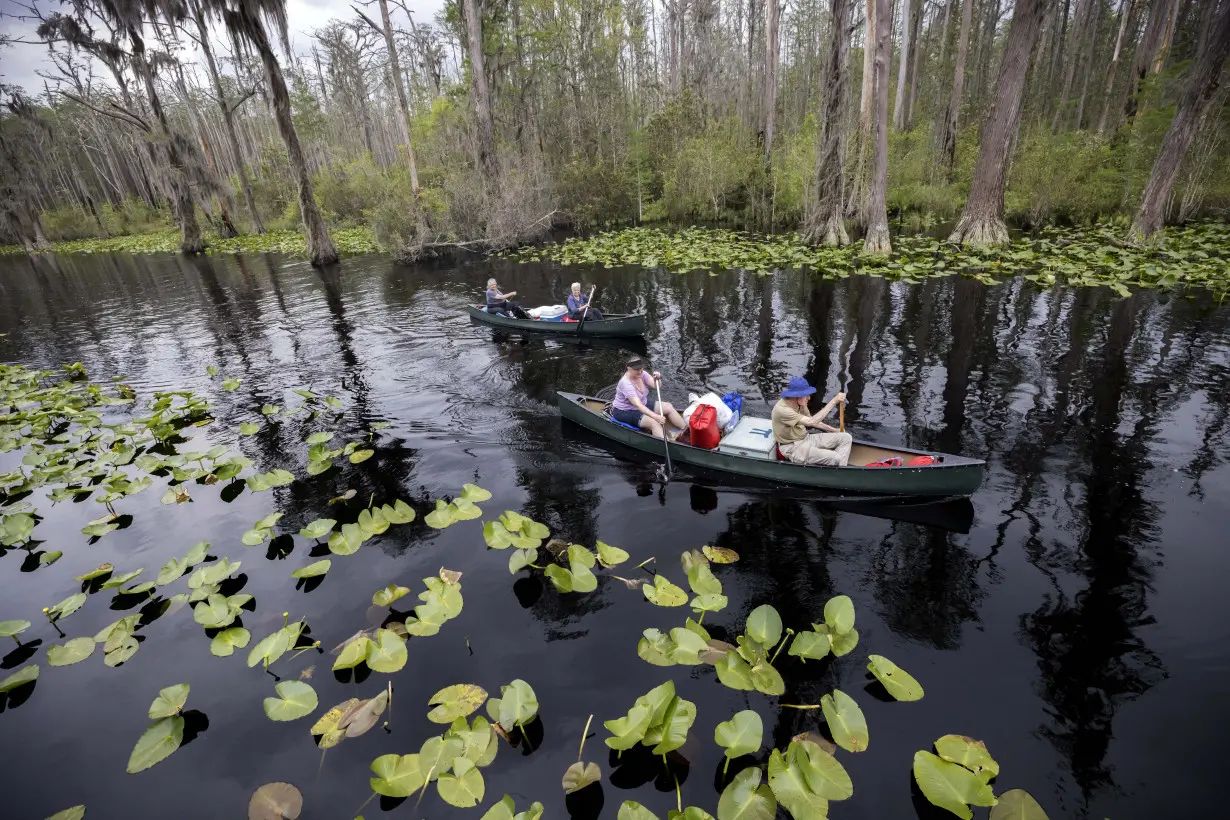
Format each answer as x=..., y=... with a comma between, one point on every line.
x=1199, y=90
x=1125, y=14
x=1072, y=53
x=182, y=204
x=403, y=106
x=228, y=117
x=903, y=70
x=482, y=94
x=876, y=219
x=982, y=221
x=948, y=141
x=1088, y=51
x=771, y=45
x=321, y=250
x=869, y=38
x=912, y=93
x=826, y=210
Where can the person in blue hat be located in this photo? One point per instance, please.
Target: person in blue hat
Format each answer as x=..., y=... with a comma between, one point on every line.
x=791, y=421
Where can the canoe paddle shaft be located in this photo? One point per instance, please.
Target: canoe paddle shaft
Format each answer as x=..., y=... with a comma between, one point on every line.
x=666, y=442
x=841, y=417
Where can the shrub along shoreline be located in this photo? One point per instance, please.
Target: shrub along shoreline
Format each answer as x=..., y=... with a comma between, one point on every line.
x=1196, y=255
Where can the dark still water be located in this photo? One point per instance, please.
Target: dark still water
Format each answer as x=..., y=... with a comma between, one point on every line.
x=1074, y=616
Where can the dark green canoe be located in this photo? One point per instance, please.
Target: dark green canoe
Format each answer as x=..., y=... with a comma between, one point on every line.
x=949, y=476
x=611, y=326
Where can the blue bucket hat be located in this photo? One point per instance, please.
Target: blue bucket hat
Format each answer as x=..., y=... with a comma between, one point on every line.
x=797, y=388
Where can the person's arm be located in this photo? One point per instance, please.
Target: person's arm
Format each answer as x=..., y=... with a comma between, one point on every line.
x=636, y=402
x=572, y=303
x=817, y=420
x=651, y=380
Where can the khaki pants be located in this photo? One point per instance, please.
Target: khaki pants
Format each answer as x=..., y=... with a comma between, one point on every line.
x=829, y=449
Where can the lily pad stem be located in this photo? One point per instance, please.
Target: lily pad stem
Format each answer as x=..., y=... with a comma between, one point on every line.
x=365, y=802
x=678, y=794
x=646, y=561
x=584, y=734
x=781, y=645
x=799, y=706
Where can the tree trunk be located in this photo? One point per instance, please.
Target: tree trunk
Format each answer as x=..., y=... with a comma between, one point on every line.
x=1199, y=90
x=912, y=91
x=480, y=90
x=228, y=118
x=182, y=204
x=1147, y=51
x=321, y=250
x=948, y=142
x=982, y=221
x=403, y=106
x=825, y=225
x=876, y=219
x=903, y=70
x=1125, y=14
x=1072, y=52
x=1088, y=54
x=869, y=38
x=772, y=12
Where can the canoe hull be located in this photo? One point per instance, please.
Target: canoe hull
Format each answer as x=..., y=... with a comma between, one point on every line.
x=955, y=476
x=610, y=328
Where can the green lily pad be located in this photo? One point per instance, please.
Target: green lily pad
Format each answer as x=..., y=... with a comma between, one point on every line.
x=73, y=651
x=970, y=753
x=896, y=680
x=950, y=786
x=459, y=700
x=10, y=628
x=313, y=570
x=845, y=720
x=227, y=641
x=663, y=593
x=318, y=528
x=397, y=775
x=743, y=734
x=295, y=699
x=579, y=775
x=746, y=798
x=156, y=744
x=387, y=653
x=23, y=676
x=1016, y=804
x=464, y=787
x=275, y=801
x=170, y=701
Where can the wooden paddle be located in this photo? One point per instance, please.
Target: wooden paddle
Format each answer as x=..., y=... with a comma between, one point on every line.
x=585, y=312
x=841, y=417
x=665, y=435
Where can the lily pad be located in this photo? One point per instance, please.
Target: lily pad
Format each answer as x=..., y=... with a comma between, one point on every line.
x=23, y=676
x=970, y=753
x=743, y=734
x=397, y=775
x=475, y=494
x=464, y=787
x=610, y=556
x=156, y=744
x=579, y=775
x=896, y=680
x=764, y=626
x=170, y=701
x=388, y=595
x=10, y=628
x=664, y=593
x=275, y=801
x=839, y=614
x=295, y=699
x=318, y=528
x=516, y=706
x=227, y=641
x=459, y=700
x=1016, y=804
x=73, y=813
x=720, y=555
x=845, y=720
x=746, y=798
x=313, y=570
x=387, y=652
x=950, y=786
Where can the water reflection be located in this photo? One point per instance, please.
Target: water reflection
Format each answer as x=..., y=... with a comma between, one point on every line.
x=1103, y=422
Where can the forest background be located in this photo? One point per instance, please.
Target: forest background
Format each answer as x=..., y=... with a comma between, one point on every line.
x=502, y=118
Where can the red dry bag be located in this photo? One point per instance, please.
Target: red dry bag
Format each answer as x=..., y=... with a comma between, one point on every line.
x=704, y=427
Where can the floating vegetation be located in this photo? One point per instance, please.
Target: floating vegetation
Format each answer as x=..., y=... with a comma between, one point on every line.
x=1195, y=255
x=349, y=242
x=82, y=441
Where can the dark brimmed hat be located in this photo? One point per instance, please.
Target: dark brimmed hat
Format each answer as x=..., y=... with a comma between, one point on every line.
x=797, y=388
x=636, y=363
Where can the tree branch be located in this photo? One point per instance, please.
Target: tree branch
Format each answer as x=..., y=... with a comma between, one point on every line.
x=122, y=114
x=235, y=105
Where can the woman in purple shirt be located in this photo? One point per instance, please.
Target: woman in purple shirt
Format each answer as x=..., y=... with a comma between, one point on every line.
x=633, y=406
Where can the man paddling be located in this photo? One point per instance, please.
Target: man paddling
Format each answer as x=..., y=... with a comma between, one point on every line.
x=830, y=447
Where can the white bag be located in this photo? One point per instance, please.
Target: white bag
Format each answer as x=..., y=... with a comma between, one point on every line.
x=548, y=311
x=724, y=413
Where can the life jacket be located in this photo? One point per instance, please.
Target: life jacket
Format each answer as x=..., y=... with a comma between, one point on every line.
x=920, y=461
x=885, y=462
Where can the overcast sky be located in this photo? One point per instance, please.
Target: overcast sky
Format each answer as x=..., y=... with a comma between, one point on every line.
x=19, y=63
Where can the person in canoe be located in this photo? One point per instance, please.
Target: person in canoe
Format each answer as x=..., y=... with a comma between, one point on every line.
x=576, y=305
x=828, y=447
x=633, y=405
x=499, y=302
